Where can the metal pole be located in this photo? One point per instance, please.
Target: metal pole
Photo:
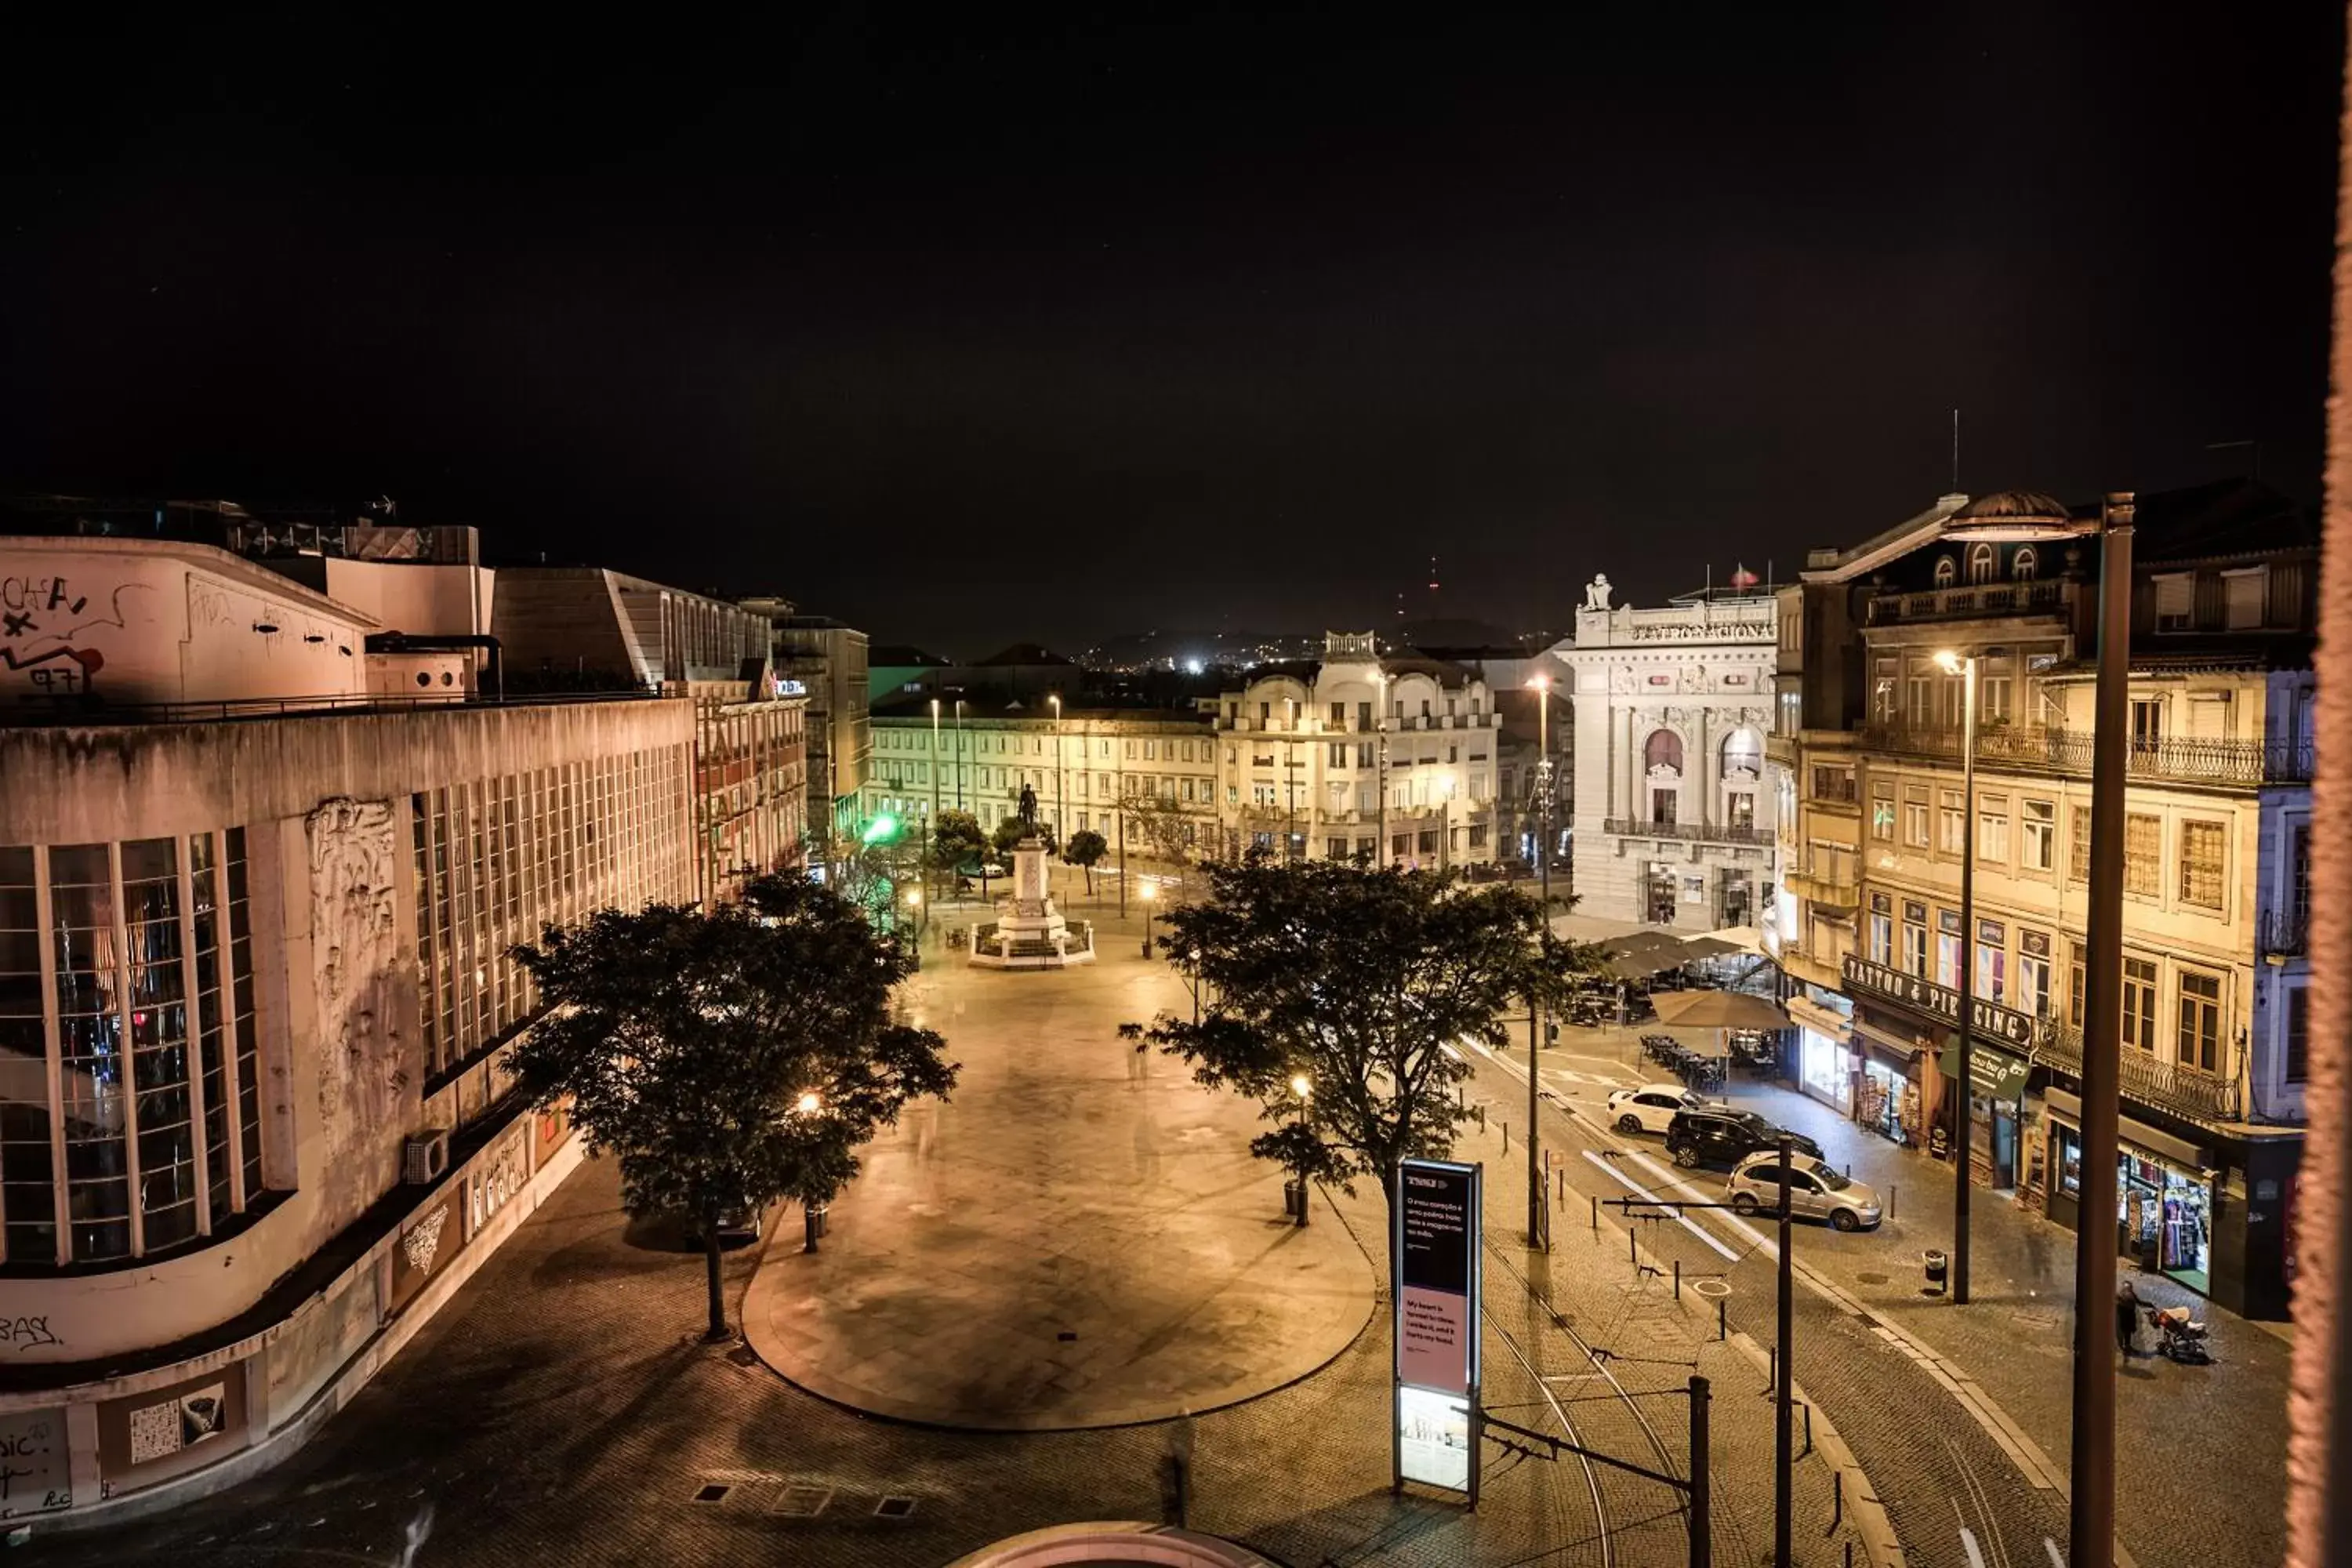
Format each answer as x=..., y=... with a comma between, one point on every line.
x=1539, y=1212
x=959, y=734
x=1702, y=1536
x=2091, y=1512
x=935, y=800
x=1290, y=780
x=1782, y=1457
x=1061, y=819
x=1380, y=727
x=1964, y=1094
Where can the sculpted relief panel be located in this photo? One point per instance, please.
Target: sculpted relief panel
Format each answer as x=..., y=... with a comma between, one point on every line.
x=364, y=1068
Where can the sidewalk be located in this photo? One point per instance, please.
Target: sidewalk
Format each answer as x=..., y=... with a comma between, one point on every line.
x=2015, y=1340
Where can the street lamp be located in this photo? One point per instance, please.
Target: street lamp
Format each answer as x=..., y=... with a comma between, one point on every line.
x=1290, y=780
x=1061, y=822
x=1538, y=1211
x=1381, y=774
x=1302, y=1088
x=1965, y=667
x=959, y=719
x=915, y=902
x=1148, y=892
x=812, y=1214
x=1195, y=956
x=933, y=823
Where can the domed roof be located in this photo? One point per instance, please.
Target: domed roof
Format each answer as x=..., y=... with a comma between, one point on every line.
x=2013, y=506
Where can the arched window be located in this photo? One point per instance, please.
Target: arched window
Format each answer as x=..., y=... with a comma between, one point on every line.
x=2024, y=564
x=1983, y=561
x=1662, y=749
x=1947, y=572
x=1743, y=752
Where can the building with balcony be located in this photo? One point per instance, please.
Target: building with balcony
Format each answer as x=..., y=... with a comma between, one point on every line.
x=1390, y=757
x=1672, y=823
x=259, y=888
x=2219, y=764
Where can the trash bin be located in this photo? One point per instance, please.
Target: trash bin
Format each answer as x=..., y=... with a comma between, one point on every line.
x=1294, y=1197
x=1935, y=1263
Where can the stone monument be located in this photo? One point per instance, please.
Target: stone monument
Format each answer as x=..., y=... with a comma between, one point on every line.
x=1029, y=932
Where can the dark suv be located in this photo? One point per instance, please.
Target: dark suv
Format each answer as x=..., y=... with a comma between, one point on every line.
x=1726, y=1137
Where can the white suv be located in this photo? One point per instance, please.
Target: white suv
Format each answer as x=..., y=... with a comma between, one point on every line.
x=1652, y=1107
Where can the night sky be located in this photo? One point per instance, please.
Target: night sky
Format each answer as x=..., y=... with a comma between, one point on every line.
x=969, y=326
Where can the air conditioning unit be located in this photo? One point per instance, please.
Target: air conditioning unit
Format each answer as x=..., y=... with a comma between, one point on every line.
x=424, y=1157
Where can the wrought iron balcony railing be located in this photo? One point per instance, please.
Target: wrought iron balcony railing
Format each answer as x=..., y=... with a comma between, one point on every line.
x=2286, y=932
x=2174, y=758
x=2039, y=599
x=2147, y=1077
x=1686, y=832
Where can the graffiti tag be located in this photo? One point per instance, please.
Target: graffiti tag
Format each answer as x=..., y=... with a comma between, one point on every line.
x=26, y=1332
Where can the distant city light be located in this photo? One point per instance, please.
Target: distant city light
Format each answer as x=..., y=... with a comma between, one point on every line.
x=1194, y=666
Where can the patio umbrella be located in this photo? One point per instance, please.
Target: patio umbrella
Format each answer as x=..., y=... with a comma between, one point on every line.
x=1710, y=947
x=1718, y=1010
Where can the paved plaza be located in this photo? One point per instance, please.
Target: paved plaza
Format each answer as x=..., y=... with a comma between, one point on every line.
x=1079, y=1238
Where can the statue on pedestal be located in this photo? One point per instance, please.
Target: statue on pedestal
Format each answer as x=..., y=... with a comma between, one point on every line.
x=1029, y=805
x=1597, y=592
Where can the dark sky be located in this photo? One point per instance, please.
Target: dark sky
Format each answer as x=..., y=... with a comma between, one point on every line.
x=969, y=326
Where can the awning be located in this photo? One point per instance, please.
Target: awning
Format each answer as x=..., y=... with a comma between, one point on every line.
x=2068, y=1108
x=1996, y=1074
x=1820, y=1020
x=1901, y=1047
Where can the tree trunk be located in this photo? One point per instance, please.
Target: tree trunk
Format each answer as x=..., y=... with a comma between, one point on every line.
x=717, y=1331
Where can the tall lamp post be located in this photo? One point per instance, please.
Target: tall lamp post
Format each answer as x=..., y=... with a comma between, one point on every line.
x=1302, y=1088
x=1061, y=822
x=1290, y=780
x=959, y=751
x=1964, y=1099
x=1538, y=1211
x=1381, y=776
x=1148, y=893
x=933, y=823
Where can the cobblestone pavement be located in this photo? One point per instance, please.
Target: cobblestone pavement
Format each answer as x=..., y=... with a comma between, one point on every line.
x=560, y=1410
x=2015, y=1338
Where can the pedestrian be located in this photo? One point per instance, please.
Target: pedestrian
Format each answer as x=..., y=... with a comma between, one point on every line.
x=2127, y=1308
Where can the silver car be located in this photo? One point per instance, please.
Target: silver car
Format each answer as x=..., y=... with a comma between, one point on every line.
x=1817, y=1190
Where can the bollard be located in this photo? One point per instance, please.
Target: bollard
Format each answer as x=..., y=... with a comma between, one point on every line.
x=1890, y=1201
x=1633, y=1251
x=1506, y=1137
x=1678, y=1278
x=1720, y=1333
x=1837, y=1508
x=1809, y=1430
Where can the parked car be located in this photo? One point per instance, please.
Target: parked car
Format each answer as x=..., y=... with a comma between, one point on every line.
x=1652, y=1107
x=1719, y=1135
x=1817, y=1190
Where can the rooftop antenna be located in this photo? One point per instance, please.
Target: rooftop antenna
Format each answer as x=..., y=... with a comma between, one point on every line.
x=1956, y=453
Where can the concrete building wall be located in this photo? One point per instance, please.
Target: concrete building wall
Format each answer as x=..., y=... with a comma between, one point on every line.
x=126, y=621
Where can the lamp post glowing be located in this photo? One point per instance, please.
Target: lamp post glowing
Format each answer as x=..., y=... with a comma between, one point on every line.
x=812, y=1215
x=915, y=902
x=1061, y=822
x=1381, y=775
x=959, y=718
x=1538, y=1211
x=1196, y=986
x=1149, y=893
x=1302, y=1089
x=929, y=827
x=1964, y=1097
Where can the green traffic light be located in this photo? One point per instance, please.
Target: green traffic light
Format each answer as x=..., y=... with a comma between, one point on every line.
x=882, y=829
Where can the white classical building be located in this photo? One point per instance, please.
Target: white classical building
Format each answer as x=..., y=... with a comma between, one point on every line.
x=1673, y=821
x=1325, y=758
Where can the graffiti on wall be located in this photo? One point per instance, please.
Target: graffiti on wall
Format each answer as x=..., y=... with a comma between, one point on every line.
x=46, y=626
x=362, y=1065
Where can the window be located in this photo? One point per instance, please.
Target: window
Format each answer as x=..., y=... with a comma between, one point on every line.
x=2144, y=855
x=2200, y=1020
x=2176, y=602
x=1915, y=816
x=1335, y=848
x=2024, y=564
x=1992, y=830
x=1947, y=950
x=1233, y=795
x=1914, y=948
x=1338, y=722
x=1881, y=939
x=1363, y=715
x=1984, y=563
x=1339, y=753
x=2038, y=837
x=1919, y=696
x=1662, y=805
x=1429, y=841
x=1947, y=571
x=2140, y=1003
x=1150, y=751
x=1262, y=793
x=2147, y=724
x=2033, y=974
x=1400, y=845
x=1885, y=688
x=1265, y=712
x=1663, y=749
x=2242, y=598
x=2299, y=875
x=1992, y=962
x=1882, y=812
x=1994, y=685
x=2203, y=856
x=1952, y=822
x=1743, y=752
x=2078, y=846
x=2297, y=1064
x=2077, y=965
x=1832, y=783
x=1743, y=809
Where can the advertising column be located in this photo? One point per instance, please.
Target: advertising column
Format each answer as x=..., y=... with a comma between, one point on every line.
x=1436, y=1326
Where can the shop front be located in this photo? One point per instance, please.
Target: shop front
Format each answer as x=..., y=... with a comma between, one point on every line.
x=1996, y=1110
x=1900, y=1016
x=1825, y=1063
x=2201, y=1206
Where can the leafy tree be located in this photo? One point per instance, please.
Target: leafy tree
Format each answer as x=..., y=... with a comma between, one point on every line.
x=959, y=845
x=1359, y=981
x=1086, y=851
x=687, y=1042
x=1012, y=830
